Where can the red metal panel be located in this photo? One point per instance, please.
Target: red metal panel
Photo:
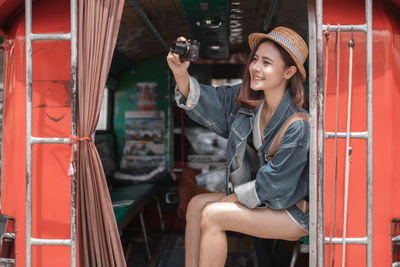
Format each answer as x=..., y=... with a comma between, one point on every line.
x=386, y=63
x=51, y=118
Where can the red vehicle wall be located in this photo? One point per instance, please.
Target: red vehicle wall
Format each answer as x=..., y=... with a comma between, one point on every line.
x=386, y=129
x=51, y=118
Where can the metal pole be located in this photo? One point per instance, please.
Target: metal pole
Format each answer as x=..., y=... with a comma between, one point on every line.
x=321, y=129
x=312, y=78
x=368, y=16
x=148, y=23
x=28, y=199
x=346, y=28
x=271, y=12
x=74, y=57
x=347, y=161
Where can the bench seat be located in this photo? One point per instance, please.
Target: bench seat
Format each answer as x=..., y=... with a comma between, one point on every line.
x=129, y=200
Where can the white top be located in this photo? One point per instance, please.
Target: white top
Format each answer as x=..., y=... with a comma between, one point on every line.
x=257, y=139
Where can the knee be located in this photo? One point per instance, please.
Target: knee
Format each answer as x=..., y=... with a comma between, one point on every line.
x=195, y=207
x=209, y=218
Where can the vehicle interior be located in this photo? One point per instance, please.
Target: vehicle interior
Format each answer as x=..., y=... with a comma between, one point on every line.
x=141, y=84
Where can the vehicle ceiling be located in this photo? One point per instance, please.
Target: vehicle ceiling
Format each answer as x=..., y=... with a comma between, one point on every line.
x=173, y=18
x=136, y=40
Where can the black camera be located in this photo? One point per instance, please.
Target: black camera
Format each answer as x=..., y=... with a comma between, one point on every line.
x=187, y=50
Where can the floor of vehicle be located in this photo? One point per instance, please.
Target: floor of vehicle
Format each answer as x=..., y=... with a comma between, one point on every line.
x=168, y=251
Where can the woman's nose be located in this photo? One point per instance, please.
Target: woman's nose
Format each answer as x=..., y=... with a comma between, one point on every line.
x=255, y=66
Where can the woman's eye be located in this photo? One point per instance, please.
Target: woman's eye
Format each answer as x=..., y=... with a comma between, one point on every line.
x=266, y=62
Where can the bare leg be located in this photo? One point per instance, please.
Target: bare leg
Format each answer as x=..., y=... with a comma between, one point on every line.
x=219, y=217
x=192, y=231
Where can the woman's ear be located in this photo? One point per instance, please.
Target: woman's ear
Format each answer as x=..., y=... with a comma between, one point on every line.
x=289, y=72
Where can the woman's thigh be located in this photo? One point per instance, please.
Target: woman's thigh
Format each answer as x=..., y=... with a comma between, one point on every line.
x=264, y=223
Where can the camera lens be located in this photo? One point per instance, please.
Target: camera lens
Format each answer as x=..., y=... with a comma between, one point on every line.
x=180, y=48
x=187, y=50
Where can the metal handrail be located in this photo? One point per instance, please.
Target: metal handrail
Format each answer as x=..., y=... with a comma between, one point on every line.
x=321, y=130
x=368, y=135
x=30, y=140
x=347, y=161
x=312, y=78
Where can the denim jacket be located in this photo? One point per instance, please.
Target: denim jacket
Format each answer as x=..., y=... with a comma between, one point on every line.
x=280, y=182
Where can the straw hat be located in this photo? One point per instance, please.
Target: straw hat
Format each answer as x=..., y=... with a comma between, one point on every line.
x=290, y=40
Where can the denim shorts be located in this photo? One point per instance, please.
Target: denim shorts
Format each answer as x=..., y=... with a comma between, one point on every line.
x=298, y=217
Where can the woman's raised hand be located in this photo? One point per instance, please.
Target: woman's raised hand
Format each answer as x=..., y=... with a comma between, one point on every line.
x=177, y=67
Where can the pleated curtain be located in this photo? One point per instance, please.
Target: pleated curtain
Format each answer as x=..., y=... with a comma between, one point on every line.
x=99, y=241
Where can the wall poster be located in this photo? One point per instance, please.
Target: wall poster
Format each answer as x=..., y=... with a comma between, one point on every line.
x=144, y=139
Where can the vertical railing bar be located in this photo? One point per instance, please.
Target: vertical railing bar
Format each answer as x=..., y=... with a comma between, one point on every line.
x=28, y=80
x=312, y=78
x=321, y=134
x=368, y=18
x=347, y=157
x=74, y=56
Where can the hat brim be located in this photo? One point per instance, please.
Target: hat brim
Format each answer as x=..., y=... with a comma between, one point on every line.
x=254, y=40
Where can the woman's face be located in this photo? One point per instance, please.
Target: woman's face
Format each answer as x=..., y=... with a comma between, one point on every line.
x=267, y=69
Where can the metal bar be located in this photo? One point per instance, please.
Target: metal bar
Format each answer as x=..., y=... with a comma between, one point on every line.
x=312, y=81
x=28, y=199
x=347, y=160
x=35, y=140
x=321, y=129
x=49, y=140
x=148, y=23
x=348, y=240
x=396, y=238
x=50, y=242
x=74, y=62
x=368, y=16
x=146, y=242
x=270, y=14
x=356, y=135
x=50, y=36
x=346, y=28
x=7, y=261
x=295, y=253
x=162, y=225
x=8, y=235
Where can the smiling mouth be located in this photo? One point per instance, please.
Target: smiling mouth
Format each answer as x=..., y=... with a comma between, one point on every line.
x=256, y=78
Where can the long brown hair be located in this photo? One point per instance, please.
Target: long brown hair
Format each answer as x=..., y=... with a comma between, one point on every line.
x=250, y=99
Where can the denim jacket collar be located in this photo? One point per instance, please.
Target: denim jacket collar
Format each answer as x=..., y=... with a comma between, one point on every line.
x=276, y=117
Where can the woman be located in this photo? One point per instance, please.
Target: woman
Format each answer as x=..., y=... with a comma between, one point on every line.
x=265, y=197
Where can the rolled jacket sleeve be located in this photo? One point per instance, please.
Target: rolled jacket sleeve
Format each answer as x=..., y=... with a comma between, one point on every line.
x=208, y=105
x=279, y=177
x=192, y=98
x=247, y=194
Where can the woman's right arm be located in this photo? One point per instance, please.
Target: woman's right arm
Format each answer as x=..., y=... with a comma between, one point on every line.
x=210, y=106
x=179, y=70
